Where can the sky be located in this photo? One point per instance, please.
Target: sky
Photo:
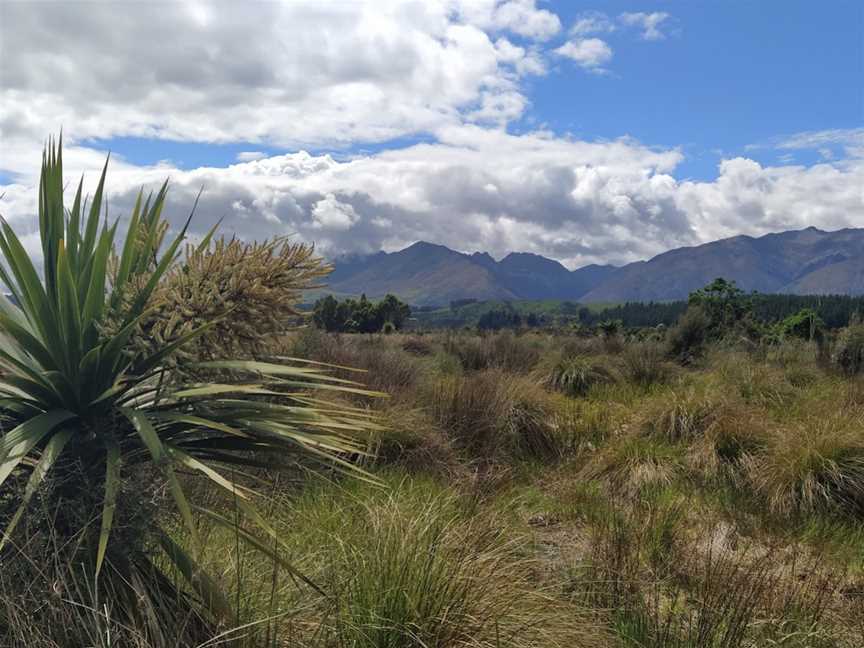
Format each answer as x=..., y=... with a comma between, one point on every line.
x=589, y=132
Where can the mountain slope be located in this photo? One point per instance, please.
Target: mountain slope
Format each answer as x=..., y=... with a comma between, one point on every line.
x=808, y=261
x=802, y=261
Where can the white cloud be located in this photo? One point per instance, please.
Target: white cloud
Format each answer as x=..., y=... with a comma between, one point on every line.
x=849, y=140
x=592, y=22
x=292, y=74
x=325, y=74
x=249, y=156
x=518, y=16
x=483, y=189
x=589, y=53
x=330, y=213
x=649, y=23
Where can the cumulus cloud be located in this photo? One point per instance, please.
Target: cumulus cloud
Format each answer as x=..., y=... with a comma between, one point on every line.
x=589, y=53
x=649, y=23
x=290, y=74
x=483, y=189
x=327, y=74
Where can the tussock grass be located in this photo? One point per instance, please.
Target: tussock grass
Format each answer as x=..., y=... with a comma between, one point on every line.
x=814, y=466
x=683, y=416
x=504, y=351
x=634, y=463
x=645, y=364
x=576, y=375
x=493, y=414
x=431, y=579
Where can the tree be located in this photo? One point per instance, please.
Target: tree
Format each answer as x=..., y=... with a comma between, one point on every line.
x=805, y=324
x=326, y=314
x=359, y=315
x=725, y=304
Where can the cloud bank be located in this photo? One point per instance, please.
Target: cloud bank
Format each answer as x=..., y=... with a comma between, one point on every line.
x=349, y=74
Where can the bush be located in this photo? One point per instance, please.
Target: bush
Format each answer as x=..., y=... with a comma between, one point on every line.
x=849, y=352
x=687, y=339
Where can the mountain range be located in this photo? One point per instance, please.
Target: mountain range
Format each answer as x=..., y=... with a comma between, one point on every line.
x=808, y=261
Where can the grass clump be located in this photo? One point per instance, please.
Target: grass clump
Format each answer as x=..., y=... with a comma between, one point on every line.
x=682, y=416
x=817, y=466
x=576, y=375
x=493, y=414
x=634, y=463
x=425, y=577
x=645, y=364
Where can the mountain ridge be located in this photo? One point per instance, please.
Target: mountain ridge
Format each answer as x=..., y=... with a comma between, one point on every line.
x=806, y=261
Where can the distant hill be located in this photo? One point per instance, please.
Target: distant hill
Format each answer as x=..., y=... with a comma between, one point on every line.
x=426, y=274
x=808, y=261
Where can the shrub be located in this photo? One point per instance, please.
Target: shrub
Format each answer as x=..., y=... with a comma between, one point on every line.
x=849, y=352
x=688, y=337
x=84, y=409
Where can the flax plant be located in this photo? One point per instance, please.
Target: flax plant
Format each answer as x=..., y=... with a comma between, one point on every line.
x=82, y=407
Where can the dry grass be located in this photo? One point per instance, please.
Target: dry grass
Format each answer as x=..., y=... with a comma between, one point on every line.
x=817, y=465
x=492, y=414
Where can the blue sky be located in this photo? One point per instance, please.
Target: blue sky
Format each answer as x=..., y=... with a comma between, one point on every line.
x=590, y=132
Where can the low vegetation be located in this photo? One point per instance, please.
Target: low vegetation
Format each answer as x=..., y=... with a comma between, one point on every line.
x=696, y=486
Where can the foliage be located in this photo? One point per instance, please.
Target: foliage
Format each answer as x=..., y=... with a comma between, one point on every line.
x=725, y=304
x=360, y=315
x=688, y=338
x=805, y=324
x=243, y=294
x=496, y=320
x=849, y=354
x=83, y=409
